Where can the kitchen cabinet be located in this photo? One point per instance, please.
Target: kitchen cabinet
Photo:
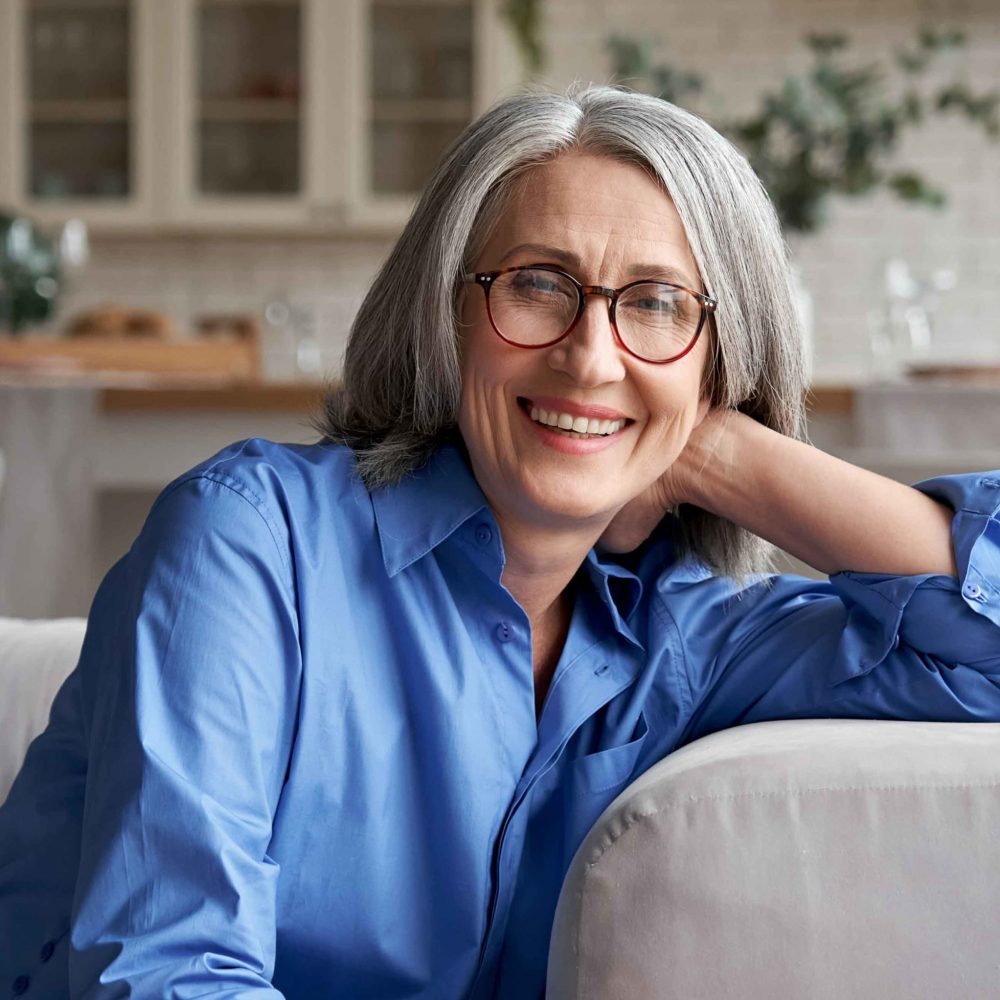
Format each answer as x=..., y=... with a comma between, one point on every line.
x=236, y=115
x=77, y=110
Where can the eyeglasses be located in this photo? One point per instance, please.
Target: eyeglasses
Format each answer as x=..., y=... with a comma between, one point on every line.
x=537, y=306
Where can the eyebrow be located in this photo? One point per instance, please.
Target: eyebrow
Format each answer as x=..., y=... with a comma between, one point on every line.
x=663, y=272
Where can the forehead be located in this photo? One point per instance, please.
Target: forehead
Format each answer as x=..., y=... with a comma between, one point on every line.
x=605, y=211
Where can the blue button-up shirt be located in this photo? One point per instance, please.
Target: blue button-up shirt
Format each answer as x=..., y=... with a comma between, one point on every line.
x=300, y=757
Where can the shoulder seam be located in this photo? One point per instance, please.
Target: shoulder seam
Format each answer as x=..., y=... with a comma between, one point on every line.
x=248, y=496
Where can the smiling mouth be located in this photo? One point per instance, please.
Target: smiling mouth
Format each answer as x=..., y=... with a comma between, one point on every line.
x=569, y=425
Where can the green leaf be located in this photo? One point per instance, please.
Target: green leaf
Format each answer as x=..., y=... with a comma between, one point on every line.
x=912, y=187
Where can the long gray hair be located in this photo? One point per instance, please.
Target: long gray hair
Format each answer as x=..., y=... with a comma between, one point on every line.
x=398, y=398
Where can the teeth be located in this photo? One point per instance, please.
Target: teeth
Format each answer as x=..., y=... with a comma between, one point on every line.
x=579, y=425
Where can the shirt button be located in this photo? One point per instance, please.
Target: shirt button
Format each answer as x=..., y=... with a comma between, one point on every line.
x=483, y=534
x=504, y=632
x=20, y=986
x=972, y=590
x=47, y=950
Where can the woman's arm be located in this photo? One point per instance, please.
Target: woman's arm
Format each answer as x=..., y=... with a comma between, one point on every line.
x=189, y=679
x=830, y=514
x=907, y=627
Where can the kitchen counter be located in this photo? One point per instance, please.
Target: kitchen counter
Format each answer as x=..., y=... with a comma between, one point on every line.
x=290, y=397
x=250, y=397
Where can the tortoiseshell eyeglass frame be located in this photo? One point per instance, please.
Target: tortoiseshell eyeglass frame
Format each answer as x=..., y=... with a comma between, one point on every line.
x=485, y=281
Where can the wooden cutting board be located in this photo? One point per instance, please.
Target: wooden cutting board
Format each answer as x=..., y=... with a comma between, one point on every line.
x=224, y=359
x=987, y=374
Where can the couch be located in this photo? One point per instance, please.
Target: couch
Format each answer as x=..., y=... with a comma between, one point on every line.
x=808, y=859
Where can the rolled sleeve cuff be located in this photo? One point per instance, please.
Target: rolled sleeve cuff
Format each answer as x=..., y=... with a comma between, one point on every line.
x=876, y=603
x=975, y=531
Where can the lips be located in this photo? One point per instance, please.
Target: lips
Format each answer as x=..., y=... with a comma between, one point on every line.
x=558, y=405
x=573, y=419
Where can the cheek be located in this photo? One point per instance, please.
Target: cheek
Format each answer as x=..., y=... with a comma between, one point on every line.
x=674, y=403
x=486, y=361
x=475, y=333
x=479, y=361
x=485, y=370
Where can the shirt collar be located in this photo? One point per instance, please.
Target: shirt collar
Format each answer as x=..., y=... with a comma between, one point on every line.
x=430, y=504
x=618, y=587
x=618, y=578
x=425, y=507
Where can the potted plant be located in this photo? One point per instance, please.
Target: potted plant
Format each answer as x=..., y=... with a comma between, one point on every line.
x=835, y=129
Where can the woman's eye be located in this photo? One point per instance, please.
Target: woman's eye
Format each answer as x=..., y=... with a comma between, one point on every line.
x=537, y=282
x=656, y=304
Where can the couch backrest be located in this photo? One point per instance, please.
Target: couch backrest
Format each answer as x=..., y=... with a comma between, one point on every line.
x=35, y=658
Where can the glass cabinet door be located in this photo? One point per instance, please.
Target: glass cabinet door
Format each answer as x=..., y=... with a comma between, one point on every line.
x=249, y=98
x=421, y=88
x=79, y=100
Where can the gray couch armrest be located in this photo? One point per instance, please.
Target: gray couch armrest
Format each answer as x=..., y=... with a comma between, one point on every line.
x=818, y=858
x=35, y=658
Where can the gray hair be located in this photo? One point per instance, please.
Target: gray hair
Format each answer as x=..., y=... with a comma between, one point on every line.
x=398, y=398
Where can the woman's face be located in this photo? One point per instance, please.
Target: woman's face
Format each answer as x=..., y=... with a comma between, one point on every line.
x=604, y=222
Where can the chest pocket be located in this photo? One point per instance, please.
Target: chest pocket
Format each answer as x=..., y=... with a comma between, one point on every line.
x=609, y=770
x=595, y=780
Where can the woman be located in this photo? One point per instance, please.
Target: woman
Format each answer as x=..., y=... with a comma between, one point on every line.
x=345, y=711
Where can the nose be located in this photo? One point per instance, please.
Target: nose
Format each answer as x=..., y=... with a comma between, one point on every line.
x=590, y=354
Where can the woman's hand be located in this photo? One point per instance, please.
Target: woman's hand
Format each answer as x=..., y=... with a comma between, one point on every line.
x=634, y=523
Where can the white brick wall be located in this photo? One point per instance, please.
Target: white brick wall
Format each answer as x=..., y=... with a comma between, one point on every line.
x=740, y=47
x=190, y=276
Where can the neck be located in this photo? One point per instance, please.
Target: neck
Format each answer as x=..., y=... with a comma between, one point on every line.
x=540, y=565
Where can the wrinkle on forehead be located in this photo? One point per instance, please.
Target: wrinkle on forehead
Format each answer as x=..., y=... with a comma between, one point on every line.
x=610, y=213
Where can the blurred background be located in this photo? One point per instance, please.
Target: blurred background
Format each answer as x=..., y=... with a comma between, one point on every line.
x=195, y=194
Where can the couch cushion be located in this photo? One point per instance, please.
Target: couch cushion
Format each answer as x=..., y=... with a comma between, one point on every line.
x=819, y=858
x=35, y=658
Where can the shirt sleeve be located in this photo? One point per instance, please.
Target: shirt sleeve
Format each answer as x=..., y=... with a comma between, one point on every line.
x=862, y=645
x=189, y=685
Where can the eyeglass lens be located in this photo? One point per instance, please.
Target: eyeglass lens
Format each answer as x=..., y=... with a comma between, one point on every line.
x=532, y=307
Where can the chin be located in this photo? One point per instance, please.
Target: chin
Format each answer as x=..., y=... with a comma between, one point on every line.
x=577, y=503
